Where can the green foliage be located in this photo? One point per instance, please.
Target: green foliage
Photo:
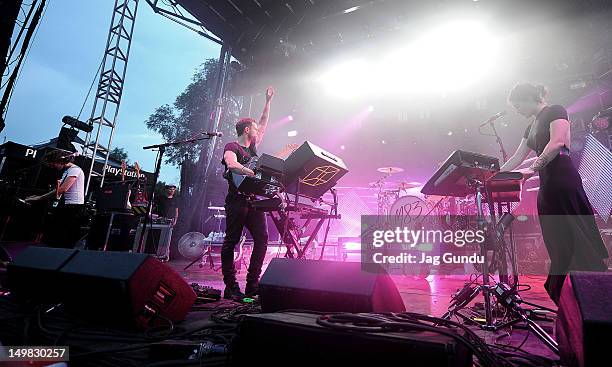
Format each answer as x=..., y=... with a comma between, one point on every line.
x=118, y=154
x=188, y=115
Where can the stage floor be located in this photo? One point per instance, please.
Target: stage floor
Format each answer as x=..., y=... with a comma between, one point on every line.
x=431, y=296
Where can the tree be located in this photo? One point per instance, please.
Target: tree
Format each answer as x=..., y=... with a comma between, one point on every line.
x=188, y=115
x=118, y=154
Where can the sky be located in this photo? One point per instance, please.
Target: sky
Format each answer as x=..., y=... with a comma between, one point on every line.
x=65, y=56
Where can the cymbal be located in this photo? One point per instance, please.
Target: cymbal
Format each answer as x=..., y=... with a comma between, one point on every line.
x=379, y=183
x=216, y=208
x=404, y=185
x=390, y=170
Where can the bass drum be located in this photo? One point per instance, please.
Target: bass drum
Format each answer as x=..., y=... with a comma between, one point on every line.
x=409, y=211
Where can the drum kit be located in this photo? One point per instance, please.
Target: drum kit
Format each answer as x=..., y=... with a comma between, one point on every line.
x=388, y=193
x=404, y=198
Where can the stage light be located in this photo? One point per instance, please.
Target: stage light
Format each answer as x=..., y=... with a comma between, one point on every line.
x=370, y=108
x=448, y=58
x=522, y=218
x=350, y=10
x=352, y=246
x=292, y=133
x=290, y=118
x=347, y=79
x=342, y=147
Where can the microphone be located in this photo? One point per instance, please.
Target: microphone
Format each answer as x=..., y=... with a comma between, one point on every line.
x=213, y=133
x=68, y=120
x=493, y=118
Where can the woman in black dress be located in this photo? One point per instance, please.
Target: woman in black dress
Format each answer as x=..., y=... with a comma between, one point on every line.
x=566, y=216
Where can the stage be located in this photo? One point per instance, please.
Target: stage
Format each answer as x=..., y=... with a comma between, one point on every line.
x=430, y=296
x=219, y=322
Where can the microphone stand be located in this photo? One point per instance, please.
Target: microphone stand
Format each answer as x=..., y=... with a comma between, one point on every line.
x=499, y=141
x=161, y=148
x=497, y=138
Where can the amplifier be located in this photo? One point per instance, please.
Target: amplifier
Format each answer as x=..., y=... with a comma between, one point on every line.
x=157, y=239
x=114, y=196
x=112, y=231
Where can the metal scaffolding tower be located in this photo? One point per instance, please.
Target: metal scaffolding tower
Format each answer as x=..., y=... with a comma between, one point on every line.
x=110, y=87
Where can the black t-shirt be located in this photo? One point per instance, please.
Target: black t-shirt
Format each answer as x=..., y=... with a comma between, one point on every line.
x=166, y=207
x=244, y=155
x=538, y=139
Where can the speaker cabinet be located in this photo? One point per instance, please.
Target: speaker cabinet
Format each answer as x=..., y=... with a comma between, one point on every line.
x=327, y=286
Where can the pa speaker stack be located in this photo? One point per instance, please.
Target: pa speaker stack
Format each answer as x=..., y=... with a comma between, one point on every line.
x=115, y=288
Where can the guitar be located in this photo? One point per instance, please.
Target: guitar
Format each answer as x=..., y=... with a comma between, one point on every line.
x=262, y=184
x=123, y=169
x=141, y=195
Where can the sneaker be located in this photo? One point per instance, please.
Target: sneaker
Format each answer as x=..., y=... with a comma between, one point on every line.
x=252, y=289
x=233, y=293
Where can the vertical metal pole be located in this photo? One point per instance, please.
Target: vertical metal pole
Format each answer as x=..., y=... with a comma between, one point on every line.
x=222, y=74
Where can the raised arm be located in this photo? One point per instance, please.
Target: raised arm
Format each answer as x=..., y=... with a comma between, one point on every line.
x=265, y=115
x=518, y=157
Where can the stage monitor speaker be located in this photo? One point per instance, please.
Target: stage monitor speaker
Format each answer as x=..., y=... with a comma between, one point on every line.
x=115, y=288
x=584, y=318
x=34, y=273
x=329, y=286
x=296, y=339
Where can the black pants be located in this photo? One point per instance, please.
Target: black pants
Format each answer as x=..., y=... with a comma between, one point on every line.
x=568, y=225
x=63, y=228
x=239, y=214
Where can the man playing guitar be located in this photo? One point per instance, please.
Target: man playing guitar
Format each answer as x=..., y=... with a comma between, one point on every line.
x=239, y=213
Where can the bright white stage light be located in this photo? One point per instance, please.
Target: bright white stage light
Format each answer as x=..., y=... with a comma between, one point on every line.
x=292, y=133
x=448, y=58
x=445, y=59
x=350, y=10
x=348, y=79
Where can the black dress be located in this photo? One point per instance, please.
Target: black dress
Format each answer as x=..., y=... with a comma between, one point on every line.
x=566, y=216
